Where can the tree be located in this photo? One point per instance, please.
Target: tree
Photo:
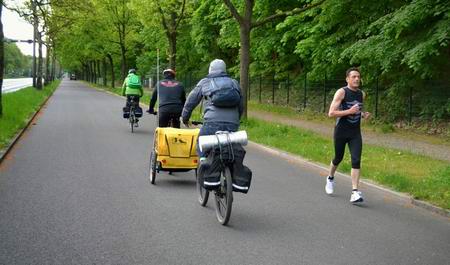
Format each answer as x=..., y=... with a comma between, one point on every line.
x=246, y=24
x=170, y=16
x=1, y=57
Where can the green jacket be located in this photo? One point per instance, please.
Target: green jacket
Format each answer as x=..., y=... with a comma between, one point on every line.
x=130, y=91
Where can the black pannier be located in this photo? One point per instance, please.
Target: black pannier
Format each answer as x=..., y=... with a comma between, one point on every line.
x=126, y=112
x=214, y=165
x=138, y=112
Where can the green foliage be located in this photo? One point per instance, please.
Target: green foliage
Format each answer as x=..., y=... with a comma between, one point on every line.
x=16, y=64
x=402, y=44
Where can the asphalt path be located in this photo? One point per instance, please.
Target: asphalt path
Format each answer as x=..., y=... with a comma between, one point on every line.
x=14, y=84
x=75, y=191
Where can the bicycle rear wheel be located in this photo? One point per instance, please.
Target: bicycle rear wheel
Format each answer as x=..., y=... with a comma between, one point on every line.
x=203, y=194
x=224, y=197
x=132, y=120
x=152, y=170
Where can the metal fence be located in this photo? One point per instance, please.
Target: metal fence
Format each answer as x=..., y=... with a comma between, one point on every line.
x=302, y=94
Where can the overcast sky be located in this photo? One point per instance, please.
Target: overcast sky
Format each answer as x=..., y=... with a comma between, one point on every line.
x=15, y=27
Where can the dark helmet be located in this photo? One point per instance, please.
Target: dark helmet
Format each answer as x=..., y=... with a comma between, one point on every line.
x=132, y=71
x=169, y=73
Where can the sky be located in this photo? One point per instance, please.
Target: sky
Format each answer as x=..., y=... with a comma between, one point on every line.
x=15, y=27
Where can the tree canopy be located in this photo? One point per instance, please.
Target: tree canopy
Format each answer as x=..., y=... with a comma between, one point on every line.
x=402, y=44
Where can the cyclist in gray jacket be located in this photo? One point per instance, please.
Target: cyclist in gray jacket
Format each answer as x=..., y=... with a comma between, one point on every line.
x=215, y=118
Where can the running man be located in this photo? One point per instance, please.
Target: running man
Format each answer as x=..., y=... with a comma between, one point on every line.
x=347, y=108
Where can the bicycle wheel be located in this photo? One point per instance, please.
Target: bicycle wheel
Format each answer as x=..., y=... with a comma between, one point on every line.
x=152, y=170
x=132, y=120
x=203, y=194
x=224, y=197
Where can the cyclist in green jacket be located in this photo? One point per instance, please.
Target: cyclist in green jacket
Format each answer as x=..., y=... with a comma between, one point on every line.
x=132, y=88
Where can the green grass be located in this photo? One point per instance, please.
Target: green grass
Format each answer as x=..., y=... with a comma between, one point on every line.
x=422, y=177
x=18, y=107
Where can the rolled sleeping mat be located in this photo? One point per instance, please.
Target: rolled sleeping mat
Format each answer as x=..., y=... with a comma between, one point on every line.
x=206, y=142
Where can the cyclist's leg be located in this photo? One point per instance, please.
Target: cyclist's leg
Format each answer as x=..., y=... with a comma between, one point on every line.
x=128, y=102
x=164, y=119
x=176, y=119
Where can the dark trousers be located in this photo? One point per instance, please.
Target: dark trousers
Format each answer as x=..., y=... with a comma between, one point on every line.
x=134, y=98
x=166, y=117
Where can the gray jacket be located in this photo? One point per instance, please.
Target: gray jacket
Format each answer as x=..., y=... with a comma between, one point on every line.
x=212, y=113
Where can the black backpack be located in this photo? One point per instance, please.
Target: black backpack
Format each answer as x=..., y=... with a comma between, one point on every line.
x=225, y=96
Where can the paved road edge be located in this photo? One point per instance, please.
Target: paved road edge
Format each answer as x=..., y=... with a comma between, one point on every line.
x=5, y=151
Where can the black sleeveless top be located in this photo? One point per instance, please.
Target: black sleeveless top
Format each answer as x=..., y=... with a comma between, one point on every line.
x=350, y=122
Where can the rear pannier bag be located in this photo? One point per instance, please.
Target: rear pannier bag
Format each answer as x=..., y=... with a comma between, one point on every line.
x=126, y=112
x=212, y=168
x=138, y=112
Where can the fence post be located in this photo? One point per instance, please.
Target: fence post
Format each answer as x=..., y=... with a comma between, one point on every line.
x=273, y=88
x=324, y=93
x=287, y=86
x=304, y=97
x=260, y=87
x=376, y=97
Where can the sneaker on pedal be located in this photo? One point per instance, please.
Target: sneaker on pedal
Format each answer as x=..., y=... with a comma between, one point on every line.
x=329, y=187
x=356, y=197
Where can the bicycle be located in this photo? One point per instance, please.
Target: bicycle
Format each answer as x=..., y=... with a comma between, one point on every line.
x=133, y=117
x=223, y=195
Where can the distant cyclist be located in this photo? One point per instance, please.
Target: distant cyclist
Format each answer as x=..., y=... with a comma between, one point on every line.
x=347, y=108
x=132, y=89
x=222, y=105
x=171, y=100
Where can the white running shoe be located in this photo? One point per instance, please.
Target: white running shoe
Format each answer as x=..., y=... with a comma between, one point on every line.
x=329, y=187
x=356, y=197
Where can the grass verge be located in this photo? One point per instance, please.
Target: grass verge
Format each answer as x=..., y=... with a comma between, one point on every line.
x=19, y=107
x=423, y=177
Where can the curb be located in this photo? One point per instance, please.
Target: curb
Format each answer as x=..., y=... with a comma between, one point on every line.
x=402, y=196
x=5, y=151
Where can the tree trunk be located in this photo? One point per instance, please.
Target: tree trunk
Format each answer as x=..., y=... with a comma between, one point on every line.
x=111, y=63
x=35, y=33
x=2, y=61
x=245, y=63
x=47, y=66
x=173, y=50
x=89, y=72
x=99, y=74
x=52, y=74
x=124, y=62
x=104, y=72
x=94, y=72
x=40, y=61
